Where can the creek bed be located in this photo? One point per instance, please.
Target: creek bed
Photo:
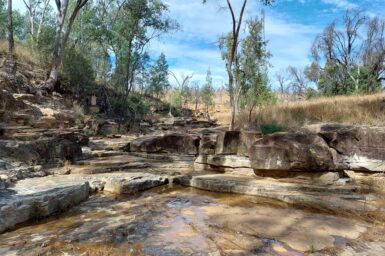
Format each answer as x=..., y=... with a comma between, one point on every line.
x=180, y=221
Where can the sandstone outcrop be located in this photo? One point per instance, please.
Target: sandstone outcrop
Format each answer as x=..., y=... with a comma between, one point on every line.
x=292, y=152
x=134, y=184
x=38, y=197
x=320, y=148
x=360, y=148
x=169, y=143
x=236, y=142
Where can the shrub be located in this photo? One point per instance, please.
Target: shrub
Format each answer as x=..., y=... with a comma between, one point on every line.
x=77, y=71
x=270, y=128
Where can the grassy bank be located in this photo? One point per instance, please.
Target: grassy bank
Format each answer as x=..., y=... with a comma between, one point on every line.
x=369, y=110
x=23, y=53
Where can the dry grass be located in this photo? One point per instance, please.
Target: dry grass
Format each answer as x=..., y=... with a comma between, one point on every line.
x=368, y=110
x=23, y=53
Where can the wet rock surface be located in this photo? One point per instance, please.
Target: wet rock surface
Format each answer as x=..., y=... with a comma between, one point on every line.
x=181, y=221
x=38, y=197
x=273, y=220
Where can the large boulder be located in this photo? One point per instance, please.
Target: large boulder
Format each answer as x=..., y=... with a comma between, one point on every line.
x=236, y=142
x=360, y=148
x=287, y=152
x=134, y=184
x=208, y=144
x=223, y=163
x=227, y=143
x=37, y=198
x=246, y=140
x=178, y=143
x=41, y=151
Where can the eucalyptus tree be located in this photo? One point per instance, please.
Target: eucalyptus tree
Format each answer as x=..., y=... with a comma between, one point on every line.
x=61, y=40
x=183, y=87
x=282, y=78
x=11, y=43
x=231, y=58
x=207, y=93
x=159, y=77
x=3, y=19
x=135, y=24
x=37, y=11
x=299, y=82
x=195, y=94
x=353, y=53
x=252, y=69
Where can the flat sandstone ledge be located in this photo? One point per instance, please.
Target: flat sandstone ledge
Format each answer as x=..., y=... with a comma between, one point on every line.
x=339, y=199
x=35, y=198
x=41, y=197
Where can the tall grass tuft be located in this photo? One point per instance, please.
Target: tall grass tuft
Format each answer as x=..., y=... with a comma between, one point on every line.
x=23, y=53
x=363, y=110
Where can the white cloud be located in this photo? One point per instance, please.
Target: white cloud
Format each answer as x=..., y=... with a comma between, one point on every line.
x=344, y=4
x=194, y=49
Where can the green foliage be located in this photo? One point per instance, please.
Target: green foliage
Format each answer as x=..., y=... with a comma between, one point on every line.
x=310, y=93
x=334, y=81
x=126, y=32
x=3, y=20
x=77, y=71
x=159, y=77
x=207, y=92
x=18, y=22
x=176, y=99
x=132, y=107
x=270, y=128
x=349, y=55
x=44, y=45
x=136, y=106
x=252, y=71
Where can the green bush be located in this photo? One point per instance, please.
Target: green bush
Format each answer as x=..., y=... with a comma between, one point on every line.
x=132, y=107
x=77, y=71
x=270, y=128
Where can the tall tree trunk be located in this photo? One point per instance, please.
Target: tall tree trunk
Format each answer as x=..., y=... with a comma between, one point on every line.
x=42, y=20
x=11, y=43
x=59, y=43
x=231, y=94
x=250, y=113
x=236, y=24
x=61, y=13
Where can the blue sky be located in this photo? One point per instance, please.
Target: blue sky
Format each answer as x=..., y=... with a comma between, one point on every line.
x=291, y=26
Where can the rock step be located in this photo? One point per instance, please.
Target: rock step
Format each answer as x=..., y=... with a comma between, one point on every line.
x=109, y=161
x=270, y=185
x=107, y=153
x=90, y=169
x=39, y=197
x=329, y=198
x=164, y=157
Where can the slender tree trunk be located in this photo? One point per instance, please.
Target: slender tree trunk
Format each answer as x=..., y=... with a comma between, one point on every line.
x=62, y=11
x=42, y=20
x=232, y=56
x=250, y=113
x=59, y=44
x=231, y=94
x=11, y=43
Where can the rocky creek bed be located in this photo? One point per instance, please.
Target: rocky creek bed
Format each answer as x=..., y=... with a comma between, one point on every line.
x=206, y=192
x=175, y=220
